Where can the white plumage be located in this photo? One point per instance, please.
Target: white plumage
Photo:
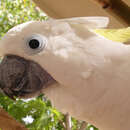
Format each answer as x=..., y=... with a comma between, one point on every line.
x=92, y=72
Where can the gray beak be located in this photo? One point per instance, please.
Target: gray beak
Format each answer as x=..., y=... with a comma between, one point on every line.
x=22, y=78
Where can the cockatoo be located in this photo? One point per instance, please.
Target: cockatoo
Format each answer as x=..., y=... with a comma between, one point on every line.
x=72, y=62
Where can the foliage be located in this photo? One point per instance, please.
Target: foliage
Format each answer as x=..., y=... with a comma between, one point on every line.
x=16, y=12
x=41, y=115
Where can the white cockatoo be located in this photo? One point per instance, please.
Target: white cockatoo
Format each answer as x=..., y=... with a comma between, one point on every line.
x=82, y=72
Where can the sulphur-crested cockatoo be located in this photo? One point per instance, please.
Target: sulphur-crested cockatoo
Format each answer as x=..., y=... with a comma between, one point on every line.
x=72, y=62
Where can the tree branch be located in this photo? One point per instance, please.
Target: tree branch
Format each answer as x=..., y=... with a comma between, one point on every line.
x=118, y=9
x=68, y=121
x=9, y=123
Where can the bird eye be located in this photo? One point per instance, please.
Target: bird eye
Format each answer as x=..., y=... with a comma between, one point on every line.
x=36, y=43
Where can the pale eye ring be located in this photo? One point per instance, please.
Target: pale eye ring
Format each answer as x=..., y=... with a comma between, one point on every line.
x=36, y=43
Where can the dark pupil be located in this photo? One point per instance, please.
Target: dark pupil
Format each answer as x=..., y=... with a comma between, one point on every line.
x=34, y=44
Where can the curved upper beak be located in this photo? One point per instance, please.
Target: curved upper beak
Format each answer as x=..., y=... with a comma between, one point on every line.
x=22, y=78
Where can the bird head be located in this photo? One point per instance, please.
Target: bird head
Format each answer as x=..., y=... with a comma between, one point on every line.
x=36, y=55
